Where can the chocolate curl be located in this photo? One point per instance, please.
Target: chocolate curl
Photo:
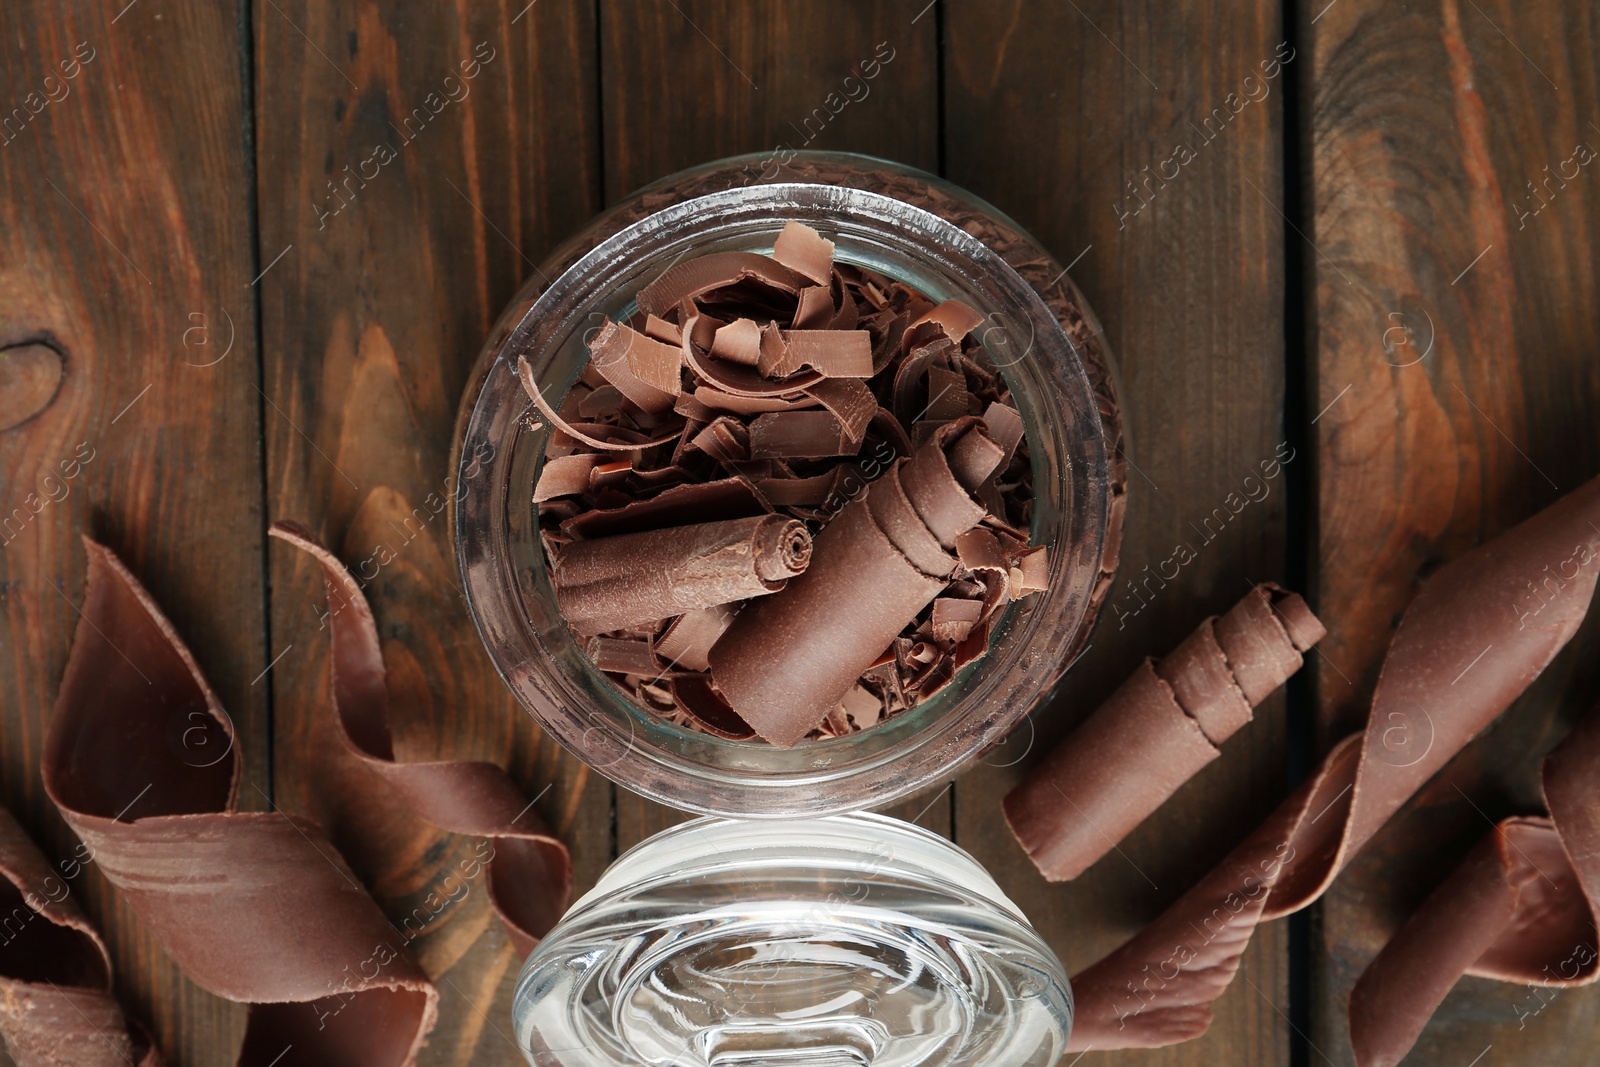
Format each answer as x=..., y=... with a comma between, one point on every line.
x=255, y=907
x=1156, y=731
x=530, y=874
x=1522, y=907
x=692, y=278
x=56, y=1007
x=615, y=439
x=1479, y=620
x=616, y=582
x=793, y=656
x=802, y=249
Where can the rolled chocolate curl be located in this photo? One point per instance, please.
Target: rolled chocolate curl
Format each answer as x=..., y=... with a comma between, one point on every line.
x=1479, y=613
x=1156, y=731
x=612, y=583
x=794, y=656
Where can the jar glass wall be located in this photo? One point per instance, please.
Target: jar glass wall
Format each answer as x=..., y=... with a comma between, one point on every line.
x=500, y=452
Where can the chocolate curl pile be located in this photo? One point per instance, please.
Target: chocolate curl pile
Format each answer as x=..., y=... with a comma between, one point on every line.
x=784, y=384
x=56, y=1007
x=255, y=907
x=1522, y=907
x=1480, y=620
x=530, y=875
x=1156, y=731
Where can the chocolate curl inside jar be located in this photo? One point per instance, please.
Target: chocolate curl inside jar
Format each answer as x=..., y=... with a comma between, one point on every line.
x=1156, y=731
x=795, y=655
x=613, y=583
x=1522, y=907
x=1480, y=613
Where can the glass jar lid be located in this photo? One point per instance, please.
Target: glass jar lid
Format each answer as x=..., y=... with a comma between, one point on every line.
x=848, y=940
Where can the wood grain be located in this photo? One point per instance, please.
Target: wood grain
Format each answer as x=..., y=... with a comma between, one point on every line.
x=1455, y=355
x=1053, y=114
x=686, y=83
x=415, y=163
x=124, y=197
x=126, y=202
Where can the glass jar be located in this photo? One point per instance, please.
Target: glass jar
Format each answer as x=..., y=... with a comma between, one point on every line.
x=849, y=940
x=878, y=215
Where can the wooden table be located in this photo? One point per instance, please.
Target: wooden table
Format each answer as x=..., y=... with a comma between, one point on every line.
x=1306, y=226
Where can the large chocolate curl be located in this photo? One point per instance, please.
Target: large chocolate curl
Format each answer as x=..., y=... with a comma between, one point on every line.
x=256, y=907
x=530, y=869
x=56, y=1007
x=1522, y=907
x=794, y=655
x=613, y=583
x=1479, y=621
x=1156, y=731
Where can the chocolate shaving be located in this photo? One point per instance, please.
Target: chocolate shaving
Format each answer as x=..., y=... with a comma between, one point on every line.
x=798, y=435
x=642, y=369
x=851, y=402
x=953, y=317
x=565, y=476
x=947, y=394
x=625, y=440
x=815, y=310
x=739, y=342
x=800, y=492
x=662, y=330
x=1154, y=733
x=744, y=381
x=705, y=706
x=862, y=707
x=623, y=655
x=716, y=400
x=1032, y=575
x=803, y=249
x=1005, y=426
x=691, y=278
x=953, y=619
x=729, y=498
x=625, y=580
x=685, y=642
x=898, y=518
x=1473, y=612
x=831, y=353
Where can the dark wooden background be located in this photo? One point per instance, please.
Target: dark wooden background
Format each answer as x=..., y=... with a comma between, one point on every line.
x=1354, y=265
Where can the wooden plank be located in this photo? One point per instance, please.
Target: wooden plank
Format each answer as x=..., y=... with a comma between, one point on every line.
x=1069, y=118
x=686, y=83
x=1455, y=359
x=415, y=162
x=123, y=197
